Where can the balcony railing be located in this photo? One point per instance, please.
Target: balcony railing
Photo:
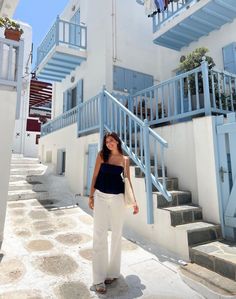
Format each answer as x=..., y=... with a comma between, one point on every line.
x=198, y=92
x=62, y=121
x=63, y=33
x=11, y=62
x=173, y=10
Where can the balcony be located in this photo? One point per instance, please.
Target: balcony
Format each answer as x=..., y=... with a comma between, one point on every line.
x=64, y=120
x=11, y=63
x=61, y=51
x=186, y=21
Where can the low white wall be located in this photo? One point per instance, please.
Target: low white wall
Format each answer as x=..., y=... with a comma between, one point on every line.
x=7, y=121
x=76, y=154
x=190, y=157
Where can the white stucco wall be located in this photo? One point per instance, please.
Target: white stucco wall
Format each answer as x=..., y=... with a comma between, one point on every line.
x=7, y=120
x=191, y=158
x=76, y=154
x=109, y=43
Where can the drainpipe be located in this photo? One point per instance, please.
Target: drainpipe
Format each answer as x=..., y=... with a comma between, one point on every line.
x=114, y=33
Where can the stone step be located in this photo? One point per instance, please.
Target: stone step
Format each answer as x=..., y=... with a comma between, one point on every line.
x=19, y=185
x=178, y=198
x=25, y=161
x=27, y=194
x=200, y=232
x=217, y=256
x=140, y=174
x=19, y=171
x=208, y=283
x=26, y=166
x=16, y=178
x=184, y=214
x=171, y=184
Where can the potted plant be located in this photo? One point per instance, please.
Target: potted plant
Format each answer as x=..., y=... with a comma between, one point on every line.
x=190, y=62
x=12, y=28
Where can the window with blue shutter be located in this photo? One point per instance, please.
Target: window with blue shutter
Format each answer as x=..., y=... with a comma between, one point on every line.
x=229, y=57
x=129, y=80
x=79, y=92
x=65, y=101
x=73, y=96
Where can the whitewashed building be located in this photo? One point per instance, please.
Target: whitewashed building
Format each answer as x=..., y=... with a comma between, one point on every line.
x=11, y=70
x=110, y=71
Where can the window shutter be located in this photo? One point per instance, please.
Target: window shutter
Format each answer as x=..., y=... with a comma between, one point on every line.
x=69, y=99
x=229, y=57
x=79, y=91
x=64, y=101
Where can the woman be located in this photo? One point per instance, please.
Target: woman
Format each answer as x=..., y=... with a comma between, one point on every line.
x=108, y=205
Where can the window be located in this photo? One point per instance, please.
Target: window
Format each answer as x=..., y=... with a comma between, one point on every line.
x=229, y=57
x=129, y=80
x=73, y=96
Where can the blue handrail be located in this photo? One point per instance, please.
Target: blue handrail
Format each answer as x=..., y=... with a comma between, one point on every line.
x=137, y=140
x=196, y=92
x=60, y=122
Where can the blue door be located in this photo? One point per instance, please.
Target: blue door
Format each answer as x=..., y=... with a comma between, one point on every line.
x=92, y=154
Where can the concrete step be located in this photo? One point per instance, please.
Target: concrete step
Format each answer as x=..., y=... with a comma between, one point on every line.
x=25, y=166
x=21, y=171
x=27, y=194
x=198, y=234
x=25, y=161
x=171, y=184
x=179, y=198
x=189, y=234
x=19, y=185
x=208, y=283
x=217, y=256
x=140, y=174
x=16, y=178
x=184, y=214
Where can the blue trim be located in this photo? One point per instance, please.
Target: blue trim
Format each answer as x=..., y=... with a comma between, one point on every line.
x=200, y=23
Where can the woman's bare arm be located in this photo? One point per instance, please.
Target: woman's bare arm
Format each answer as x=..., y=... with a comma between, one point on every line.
x=95, y=174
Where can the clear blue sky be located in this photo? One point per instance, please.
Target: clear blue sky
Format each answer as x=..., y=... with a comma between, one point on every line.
x=40, y=15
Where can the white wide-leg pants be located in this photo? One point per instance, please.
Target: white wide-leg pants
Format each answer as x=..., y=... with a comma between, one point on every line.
x=108, y=210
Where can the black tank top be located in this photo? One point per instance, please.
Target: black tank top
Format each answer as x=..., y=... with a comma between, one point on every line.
x=109, y=179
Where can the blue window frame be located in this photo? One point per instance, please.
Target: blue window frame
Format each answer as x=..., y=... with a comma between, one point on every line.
x=229, y=57
x=130, y=80
x=73, y=96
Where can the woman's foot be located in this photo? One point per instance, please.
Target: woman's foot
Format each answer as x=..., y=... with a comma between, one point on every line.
x=100, y=288
x=110, y=280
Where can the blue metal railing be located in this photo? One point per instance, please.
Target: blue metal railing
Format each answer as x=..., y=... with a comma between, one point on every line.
x=199, y=91
x=88, y=115
x=137, y=140
x=174, y=9
x=62, y=32
x=62, y=121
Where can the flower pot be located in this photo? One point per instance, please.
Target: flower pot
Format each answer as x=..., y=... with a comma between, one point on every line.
x=12, y=34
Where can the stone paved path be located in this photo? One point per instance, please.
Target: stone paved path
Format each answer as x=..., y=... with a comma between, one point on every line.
x=46, y=253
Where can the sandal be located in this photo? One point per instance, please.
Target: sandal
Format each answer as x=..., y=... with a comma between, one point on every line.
x=100, y=288
x=110, y=280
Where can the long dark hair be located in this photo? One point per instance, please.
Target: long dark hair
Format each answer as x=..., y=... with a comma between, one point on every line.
x=105, y=152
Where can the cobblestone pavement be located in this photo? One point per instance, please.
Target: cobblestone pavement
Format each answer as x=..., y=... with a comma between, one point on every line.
x=47, y=252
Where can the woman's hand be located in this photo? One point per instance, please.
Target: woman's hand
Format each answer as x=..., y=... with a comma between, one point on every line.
x=136, y=209
x=91, y=202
